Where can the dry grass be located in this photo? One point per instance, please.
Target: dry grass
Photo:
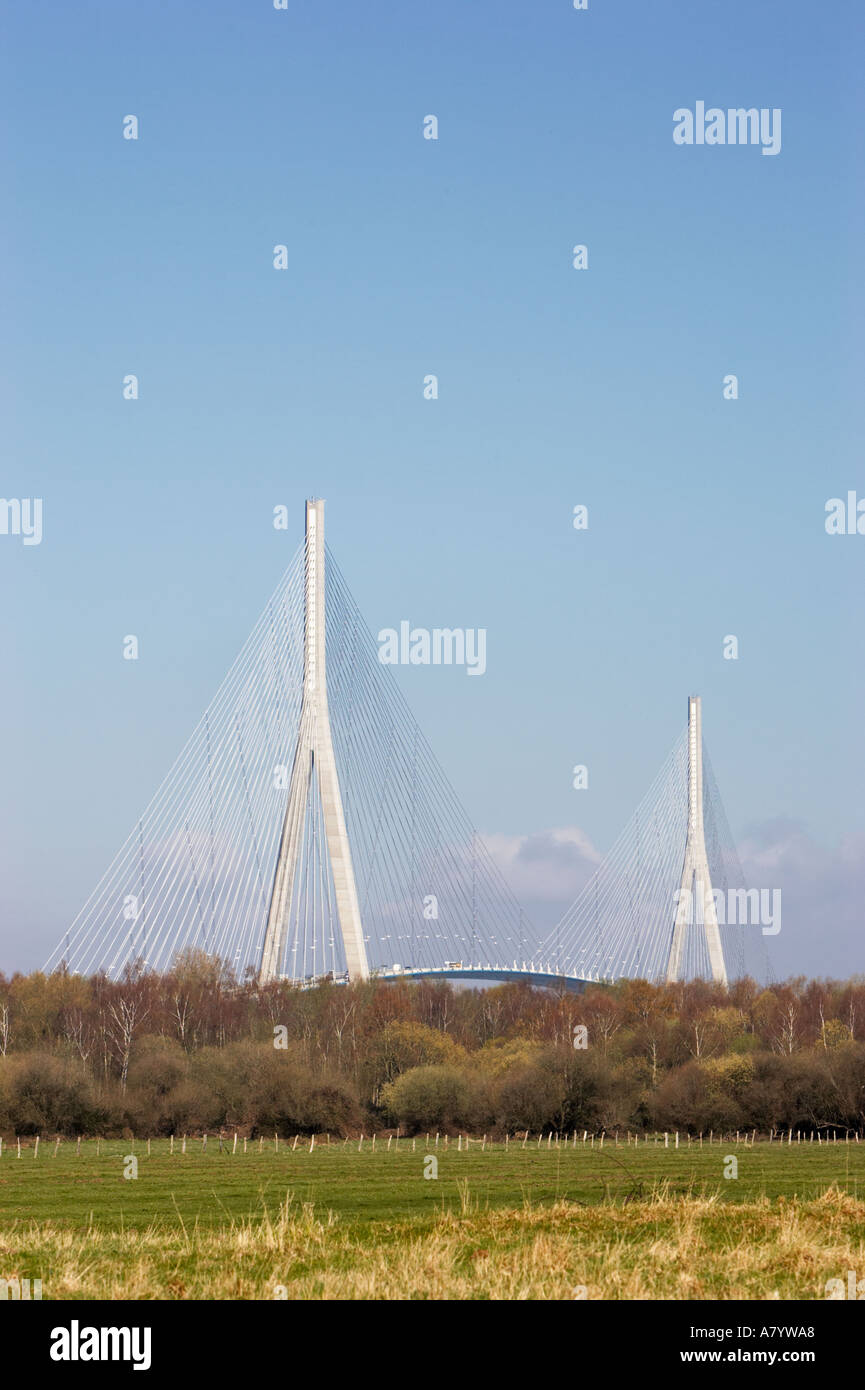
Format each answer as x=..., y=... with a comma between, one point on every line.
x=665, y=1247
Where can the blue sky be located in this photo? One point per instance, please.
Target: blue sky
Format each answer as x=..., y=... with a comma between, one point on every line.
x=557, y=387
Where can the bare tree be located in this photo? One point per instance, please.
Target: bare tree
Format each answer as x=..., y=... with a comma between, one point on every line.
x=786, y=1037
x=127, y=1014
x=78, y=1029
x=181, y=1013
x=603, y=1016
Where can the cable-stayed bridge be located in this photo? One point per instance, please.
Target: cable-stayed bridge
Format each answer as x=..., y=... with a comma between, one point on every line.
x=667, y=901
x=307, y=831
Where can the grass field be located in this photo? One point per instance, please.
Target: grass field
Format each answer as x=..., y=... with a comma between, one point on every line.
x=515, y=1222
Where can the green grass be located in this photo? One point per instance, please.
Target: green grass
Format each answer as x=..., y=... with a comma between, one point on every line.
x=363, y=1187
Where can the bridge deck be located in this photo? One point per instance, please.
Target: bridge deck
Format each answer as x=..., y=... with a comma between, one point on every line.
x=544, y=978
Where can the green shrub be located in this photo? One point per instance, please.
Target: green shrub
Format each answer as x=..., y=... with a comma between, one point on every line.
x=426, y=1098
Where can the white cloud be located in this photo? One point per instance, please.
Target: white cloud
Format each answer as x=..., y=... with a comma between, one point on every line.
x=823, y=892
x=550, y=866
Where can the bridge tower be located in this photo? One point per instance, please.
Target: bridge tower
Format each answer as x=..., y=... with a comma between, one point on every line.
x=314, y=763
x=696, y=885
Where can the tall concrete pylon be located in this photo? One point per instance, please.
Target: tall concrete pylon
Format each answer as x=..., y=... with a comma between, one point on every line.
x=314, y=755
x=696, y=886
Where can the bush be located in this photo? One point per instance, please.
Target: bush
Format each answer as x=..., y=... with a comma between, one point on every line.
x=426, y=1098
x=44, y=1094
x=328, y=1106
x=694, y=1099
x=157, y=1096
x=529, y=1098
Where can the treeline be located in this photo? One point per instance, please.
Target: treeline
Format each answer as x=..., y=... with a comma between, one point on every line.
x=198, y=1050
